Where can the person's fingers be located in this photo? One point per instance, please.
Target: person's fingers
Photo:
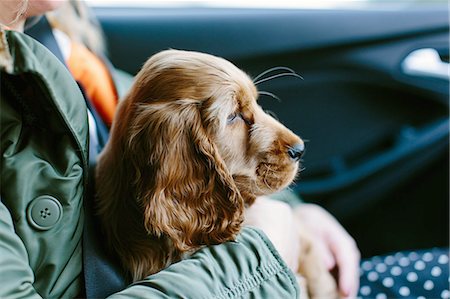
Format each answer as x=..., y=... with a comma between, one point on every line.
x=325, y=254
x=344, y=252
x=347, y=259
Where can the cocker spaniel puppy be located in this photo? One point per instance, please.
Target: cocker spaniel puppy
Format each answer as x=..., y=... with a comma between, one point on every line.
x=189, y=149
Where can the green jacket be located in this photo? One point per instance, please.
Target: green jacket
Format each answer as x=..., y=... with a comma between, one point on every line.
x=44, y=147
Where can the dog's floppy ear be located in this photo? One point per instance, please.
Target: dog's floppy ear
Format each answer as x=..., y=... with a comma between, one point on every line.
x=182, y=183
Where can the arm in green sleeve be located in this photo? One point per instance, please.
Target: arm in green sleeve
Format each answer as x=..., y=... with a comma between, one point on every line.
x=16, y=276
x=247, y=268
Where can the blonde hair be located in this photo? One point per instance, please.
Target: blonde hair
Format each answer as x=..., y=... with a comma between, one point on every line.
x=76, y=20
x=20, y=12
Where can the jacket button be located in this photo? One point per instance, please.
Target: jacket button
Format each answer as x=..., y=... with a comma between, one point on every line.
x=44, y=212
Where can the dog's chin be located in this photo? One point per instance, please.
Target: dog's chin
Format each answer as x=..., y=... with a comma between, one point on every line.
x=267, y=180
x=273, y=178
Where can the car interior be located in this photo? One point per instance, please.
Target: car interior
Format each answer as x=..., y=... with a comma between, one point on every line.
x=373, y=103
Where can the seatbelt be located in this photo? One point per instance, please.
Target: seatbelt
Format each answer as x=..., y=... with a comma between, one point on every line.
x=103, y=275
x=42, y=32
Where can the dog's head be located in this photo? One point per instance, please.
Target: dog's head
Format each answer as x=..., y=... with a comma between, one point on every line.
x=197, y=147
x=188, y=101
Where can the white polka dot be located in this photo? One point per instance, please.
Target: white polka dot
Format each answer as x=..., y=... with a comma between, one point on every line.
x=389, y=260
x=436, y=271
x=428, y=285
x=427, y=257
x=404, y=262
x=413, y=256
x=412, y=277
x=381, y=268
x=372, y=276
x=445, y=294
x=376, y=259
x=365, y=290
x=366, y=265
x=399, y=255
x=443, y=259
x=421, y=297
x=404, y=291
x=396, y=271
x=388, y=282
x=381, y=296
x=419, y=265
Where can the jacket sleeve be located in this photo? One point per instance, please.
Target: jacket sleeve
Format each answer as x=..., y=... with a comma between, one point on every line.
x=247, y=268
x=16, y=275
x=288, y=196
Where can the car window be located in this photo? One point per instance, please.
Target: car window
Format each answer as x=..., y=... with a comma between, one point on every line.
x=283, y=4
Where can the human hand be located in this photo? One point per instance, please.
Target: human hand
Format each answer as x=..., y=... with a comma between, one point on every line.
x=277, y=221
x=334, y=244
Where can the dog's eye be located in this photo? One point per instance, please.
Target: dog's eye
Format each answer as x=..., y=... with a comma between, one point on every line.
x=233, y=117
x=238, y=116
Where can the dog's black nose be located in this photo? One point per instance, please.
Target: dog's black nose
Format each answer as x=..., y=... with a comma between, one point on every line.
x=296, y=151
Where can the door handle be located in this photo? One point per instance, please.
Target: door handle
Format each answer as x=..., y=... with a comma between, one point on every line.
x=427, y=63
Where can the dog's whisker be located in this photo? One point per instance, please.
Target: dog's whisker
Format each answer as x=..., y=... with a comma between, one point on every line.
x=284, y=68
x=265, y=176
x=265, y=180
x=266, y=93
x=277, y=76
x=267, y=184
x=271, y=113
x=292, y=186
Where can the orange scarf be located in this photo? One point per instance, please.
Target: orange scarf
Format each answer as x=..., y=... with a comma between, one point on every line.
x=94, y=77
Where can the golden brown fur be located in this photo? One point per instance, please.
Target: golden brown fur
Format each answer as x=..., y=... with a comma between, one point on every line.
x=179, y=168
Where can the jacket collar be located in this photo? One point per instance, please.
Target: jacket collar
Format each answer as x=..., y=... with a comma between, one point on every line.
x=20, y=54
x=6, y=61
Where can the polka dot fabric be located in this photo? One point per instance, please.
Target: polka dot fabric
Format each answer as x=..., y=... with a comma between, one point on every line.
x=416, y=274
